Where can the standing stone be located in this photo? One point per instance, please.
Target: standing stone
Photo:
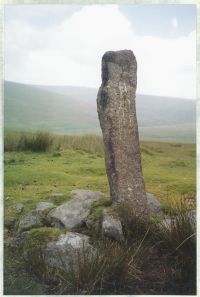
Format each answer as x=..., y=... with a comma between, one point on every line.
x=117, y=115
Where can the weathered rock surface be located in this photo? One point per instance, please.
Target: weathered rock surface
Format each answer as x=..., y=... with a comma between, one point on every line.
x=89, y=222
x=111, y=227
x=33, y=219
x=74, y=212
x=19, y=240
x=154, y=205
x=67, y=249
x=117, y=115
x=43, y=206
x=166, y=223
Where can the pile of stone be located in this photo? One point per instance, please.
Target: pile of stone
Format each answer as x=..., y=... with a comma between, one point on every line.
x=68, y=216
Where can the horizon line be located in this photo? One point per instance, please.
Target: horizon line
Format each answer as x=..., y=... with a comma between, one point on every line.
x=96, y=88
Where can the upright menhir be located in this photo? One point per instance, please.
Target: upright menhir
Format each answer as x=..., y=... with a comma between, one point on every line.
x=118, y=121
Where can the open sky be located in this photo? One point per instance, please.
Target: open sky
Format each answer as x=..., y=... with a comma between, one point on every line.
x=63, y=44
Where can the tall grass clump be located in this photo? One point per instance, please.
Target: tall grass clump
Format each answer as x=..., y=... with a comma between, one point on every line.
x=134, y=226
x=111, y=269
x=42, y=141
x=39, y=141
x=172, y=243
x=178, y=240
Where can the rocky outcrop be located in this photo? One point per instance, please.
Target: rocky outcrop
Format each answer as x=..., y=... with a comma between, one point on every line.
x=117, y=115
x=68, y=251
x=44, y=206
x=33, y=219
x=74, y=212
x=111, y=227
x=18, y=241
x=154, y=205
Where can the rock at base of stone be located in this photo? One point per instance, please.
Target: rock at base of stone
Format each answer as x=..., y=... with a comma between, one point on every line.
x=68, y=251
x=43, y=206
x=168, y=223
x=192, y=216
x=33, y=219
x=18, y=241
x=154, y=205
x=111, y=227
x=74, y=212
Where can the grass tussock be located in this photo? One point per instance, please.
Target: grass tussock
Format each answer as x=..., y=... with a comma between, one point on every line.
x=23, y=141
x=42, y=141
x=178, y=240
x=112, y=269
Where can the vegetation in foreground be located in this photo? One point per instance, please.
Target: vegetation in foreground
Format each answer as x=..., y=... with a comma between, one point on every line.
x=154, y=260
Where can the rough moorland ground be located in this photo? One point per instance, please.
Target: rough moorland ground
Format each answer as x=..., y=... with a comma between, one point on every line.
x=169, y=173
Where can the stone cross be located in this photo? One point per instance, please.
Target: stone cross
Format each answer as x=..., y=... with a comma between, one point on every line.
x=117, y=115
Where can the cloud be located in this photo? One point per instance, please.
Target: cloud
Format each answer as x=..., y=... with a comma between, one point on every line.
x=69, y=53
x=174, y=22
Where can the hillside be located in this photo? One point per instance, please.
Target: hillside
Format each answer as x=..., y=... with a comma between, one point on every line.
x=72, y=110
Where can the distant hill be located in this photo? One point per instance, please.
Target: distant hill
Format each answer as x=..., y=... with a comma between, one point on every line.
x=72, y=110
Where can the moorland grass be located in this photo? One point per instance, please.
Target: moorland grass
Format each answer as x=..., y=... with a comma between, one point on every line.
x=78, y=162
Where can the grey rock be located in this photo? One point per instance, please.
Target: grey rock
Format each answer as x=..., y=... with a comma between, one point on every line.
x=19, y=207
x=42, y=206
x=19, y=240
x=30, y=220
x=192, y=216
x=74, y=212
x=154, y=205
x=112, y=227
x=89, y=222
x=118, y=121
x=168, y=222
x=68, y=250
x=86, y=195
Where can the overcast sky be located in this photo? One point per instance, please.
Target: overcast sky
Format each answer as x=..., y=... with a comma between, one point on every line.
x=63, y=44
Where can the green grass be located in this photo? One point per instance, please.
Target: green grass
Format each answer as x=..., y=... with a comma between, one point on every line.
x=29, y=177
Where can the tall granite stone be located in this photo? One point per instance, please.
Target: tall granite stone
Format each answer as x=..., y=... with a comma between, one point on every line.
x=117, y=115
